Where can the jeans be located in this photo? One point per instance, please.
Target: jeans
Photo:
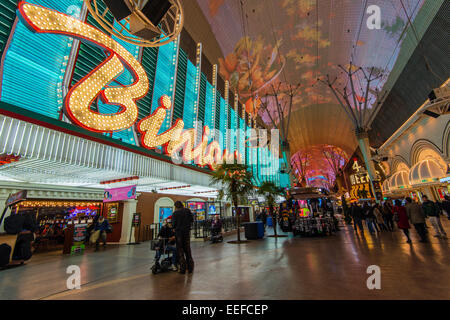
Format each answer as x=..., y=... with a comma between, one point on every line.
x=358, y=223
x=184, y=251
x=172, y=249
x=437, y=225
x=101, y=237
x=389, y=223
x=406, y=232
x=420, y=228
x=371, y=225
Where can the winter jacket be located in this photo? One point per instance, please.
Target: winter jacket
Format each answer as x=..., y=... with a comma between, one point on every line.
x=403, y=222
x=415, y=213
x=102, y=226
x=430, y=209
x=182, y=220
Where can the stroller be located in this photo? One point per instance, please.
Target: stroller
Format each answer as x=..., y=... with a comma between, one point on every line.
x=166, y=255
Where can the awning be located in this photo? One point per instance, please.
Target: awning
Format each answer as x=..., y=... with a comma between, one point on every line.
x=426, y=172
x=399, y=181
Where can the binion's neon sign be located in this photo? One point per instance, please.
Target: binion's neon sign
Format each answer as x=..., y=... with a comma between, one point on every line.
x=175, y=140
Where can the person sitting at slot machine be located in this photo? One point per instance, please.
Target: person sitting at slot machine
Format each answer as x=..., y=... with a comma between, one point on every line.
x=216, y=225
x=167, y=234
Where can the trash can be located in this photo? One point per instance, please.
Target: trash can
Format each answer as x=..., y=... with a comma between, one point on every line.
x=251, y=230
x=260, y=228
x=269, y=221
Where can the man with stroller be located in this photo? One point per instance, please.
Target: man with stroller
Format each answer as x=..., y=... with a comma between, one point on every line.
x=167, y=243
x=182, y=220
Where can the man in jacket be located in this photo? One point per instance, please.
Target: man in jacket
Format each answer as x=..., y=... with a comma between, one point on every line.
x=356, y=213
x=417, y=217
x=446, y=206
x=432, y=210
x=182, y=220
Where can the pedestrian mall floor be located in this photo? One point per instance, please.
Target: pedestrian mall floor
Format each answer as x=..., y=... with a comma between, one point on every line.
x=332, y=267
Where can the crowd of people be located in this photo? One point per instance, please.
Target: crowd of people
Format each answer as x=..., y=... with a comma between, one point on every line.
x=384, y=217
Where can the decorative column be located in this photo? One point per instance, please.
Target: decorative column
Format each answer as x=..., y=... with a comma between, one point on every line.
x=364, y=146
x=129, y=208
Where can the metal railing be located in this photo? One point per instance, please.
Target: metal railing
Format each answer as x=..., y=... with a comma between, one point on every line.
x=202, y=229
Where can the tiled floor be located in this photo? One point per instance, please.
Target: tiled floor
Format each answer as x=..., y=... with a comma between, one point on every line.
x=284, y=268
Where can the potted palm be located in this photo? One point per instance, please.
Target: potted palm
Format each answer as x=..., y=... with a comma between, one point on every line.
x=236, y=181
x=270, y=191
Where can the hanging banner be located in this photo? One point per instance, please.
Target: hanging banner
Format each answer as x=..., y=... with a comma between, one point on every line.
x=120, y=194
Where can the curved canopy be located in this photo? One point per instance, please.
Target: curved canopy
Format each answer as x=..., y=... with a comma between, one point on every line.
x=295, y=42
x=425, y=172
x=399, y=181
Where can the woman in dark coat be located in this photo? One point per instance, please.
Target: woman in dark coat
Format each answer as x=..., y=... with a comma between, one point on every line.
x=402, y=219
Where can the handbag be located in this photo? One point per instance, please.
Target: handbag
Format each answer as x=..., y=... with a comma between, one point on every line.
x=396, y=217
x=110, y=229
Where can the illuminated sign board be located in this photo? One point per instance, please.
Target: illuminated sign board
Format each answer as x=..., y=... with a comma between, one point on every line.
x=96, y=84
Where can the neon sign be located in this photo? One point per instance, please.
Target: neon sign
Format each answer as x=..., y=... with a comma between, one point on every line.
x=96, y=84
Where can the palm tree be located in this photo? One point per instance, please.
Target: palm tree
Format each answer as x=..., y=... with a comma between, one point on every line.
x=236, y=181
x=269, y=191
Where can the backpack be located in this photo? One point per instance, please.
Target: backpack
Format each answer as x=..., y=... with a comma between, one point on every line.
x=22, y=251
x=14, y=223
x=5, y=253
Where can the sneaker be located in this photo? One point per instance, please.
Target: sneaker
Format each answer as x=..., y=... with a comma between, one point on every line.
x=173, y=268
x=437, y=235
x=409, y=241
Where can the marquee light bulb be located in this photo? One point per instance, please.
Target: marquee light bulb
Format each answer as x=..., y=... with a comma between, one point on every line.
x=80, y=97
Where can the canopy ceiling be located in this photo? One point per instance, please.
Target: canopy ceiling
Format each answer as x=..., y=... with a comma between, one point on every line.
x=265, y=42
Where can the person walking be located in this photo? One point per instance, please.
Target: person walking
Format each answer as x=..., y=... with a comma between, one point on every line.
x=432, y=210
x=446, y=206
x=401, y=218
x=417, y=217
x=264, y=218
x=379, y=217
x=370, y=219
x=388, y=216
x=182, y=220
x=356, y=213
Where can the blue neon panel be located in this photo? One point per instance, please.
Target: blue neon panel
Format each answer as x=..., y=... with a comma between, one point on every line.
x=233, y=128
x=35, y=73
x=223, y=120
x=164, y=78
x=209, y=106
x=190, y=96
